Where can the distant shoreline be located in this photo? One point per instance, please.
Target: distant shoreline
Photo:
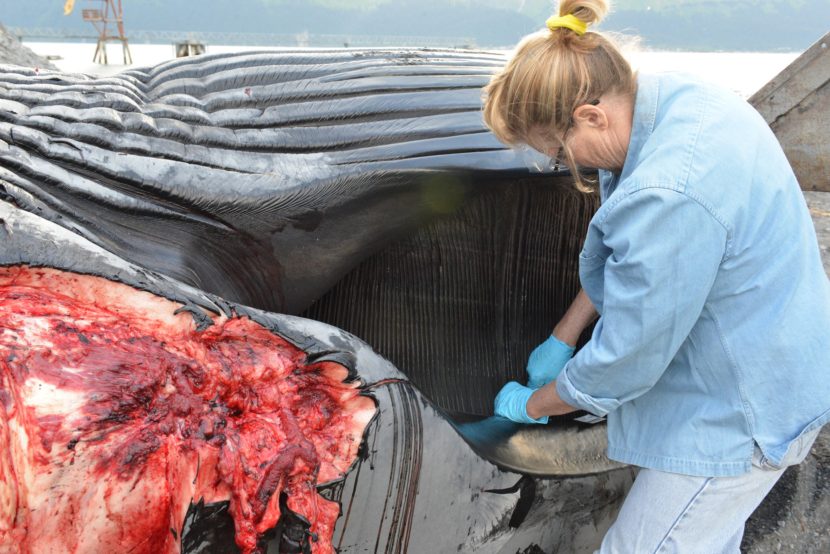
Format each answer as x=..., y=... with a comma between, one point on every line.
x=308, y=40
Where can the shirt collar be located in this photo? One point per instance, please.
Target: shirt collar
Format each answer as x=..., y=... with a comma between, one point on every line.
x=642, y=125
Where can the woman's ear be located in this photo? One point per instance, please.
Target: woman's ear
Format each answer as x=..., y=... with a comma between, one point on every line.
x=592, y=116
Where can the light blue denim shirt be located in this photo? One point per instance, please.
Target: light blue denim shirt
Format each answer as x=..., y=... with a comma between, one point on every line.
x=703, y=262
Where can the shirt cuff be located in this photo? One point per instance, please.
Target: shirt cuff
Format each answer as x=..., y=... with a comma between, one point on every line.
x=578, y=399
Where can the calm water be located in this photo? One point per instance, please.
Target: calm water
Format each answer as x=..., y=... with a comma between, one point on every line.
x=743, y=72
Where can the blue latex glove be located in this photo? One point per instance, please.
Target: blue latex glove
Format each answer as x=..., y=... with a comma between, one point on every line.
x=546, y=361
x=511, y=402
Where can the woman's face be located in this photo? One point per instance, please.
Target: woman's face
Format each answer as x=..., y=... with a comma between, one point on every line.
x=549, y=144
x=597, y=136
x=589, y=147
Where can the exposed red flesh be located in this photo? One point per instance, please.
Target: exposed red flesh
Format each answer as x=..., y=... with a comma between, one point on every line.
x=115, y=414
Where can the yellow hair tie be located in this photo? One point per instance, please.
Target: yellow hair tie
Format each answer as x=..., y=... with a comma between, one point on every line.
x=569, y=21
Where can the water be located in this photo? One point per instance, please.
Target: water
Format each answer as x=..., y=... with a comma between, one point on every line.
x=743, y=72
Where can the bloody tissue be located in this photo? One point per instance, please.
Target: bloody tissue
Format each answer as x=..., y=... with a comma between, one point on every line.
x=116, y=415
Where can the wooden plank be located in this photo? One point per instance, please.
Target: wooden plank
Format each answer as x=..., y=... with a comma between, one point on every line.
x=796, y=105
x=806, y=73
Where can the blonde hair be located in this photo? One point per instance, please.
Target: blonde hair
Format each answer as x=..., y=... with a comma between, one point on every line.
x=551, y=73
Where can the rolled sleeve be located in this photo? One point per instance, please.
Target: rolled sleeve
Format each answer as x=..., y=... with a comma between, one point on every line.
x=575, y=397
x=665, y=251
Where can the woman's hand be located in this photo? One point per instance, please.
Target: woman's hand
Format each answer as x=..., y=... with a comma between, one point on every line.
x=526, y=405
x=546, y=361
x=511, y=402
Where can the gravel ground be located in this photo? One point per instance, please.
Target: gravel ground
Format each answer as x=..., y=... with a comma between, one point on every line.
x=12, y=52
x=795, y=516
x=819, y=204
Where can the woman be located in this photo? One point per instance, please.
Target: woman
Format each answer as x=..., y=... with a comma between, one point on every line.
x=711, y=355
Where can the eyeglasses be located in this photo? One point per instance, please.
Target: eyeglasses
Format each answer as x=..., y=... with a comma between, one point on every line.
x=539, y=162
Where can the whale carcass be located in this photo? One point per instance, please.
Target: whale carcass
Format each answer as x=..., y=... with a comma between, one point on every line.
x=153, y=222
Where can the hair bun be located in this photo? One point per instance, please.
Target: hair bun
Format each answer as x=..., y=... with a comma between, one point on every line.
x=589, y=11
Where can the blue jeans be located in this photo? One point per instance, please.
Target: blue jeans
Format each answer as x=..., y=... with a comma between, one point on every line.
x=679, y=514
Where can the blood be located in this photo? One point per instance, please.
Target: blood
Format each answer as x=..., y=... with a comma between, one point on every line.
x=116, y=415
